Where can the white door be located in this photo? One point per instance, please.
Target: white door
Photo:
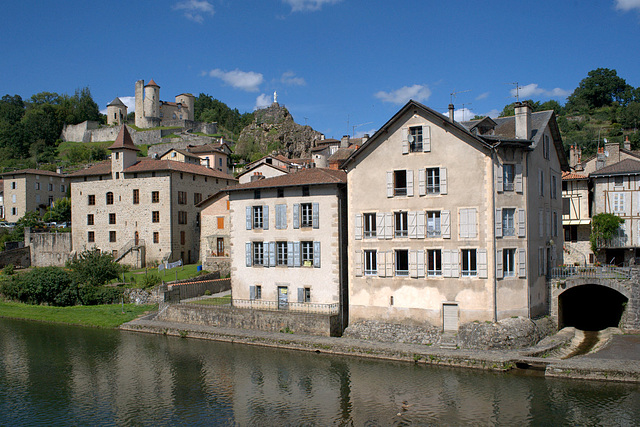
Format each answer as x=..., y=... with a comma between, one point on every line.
x=450, y=317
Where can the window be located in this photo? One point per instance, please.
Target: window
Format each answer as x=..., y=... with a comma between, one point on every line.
x=415, y=139
x=541, y=182
x=258, y=294
x=369, y=225
x=91, y=237
x=280, y=192
x=306, y=215
x=136, y=196
x=618, y=181
x=555, y=223
x=112, y=218
x=112, y=236
x=618, y=202
x=182, y=197
x=370, y=263
x=256, y=194
x=91, y=199
x=155, y=216
x=182, y=217
x=156, y=237
x=546, y=147
x=257, y=217
x=307, y=253
x=554, y=187
x=37, y=185
x=155, y=197
x=469, y=265
x=433, y=224
x=400, y=183
x=402, y=262
x=305, y=191
x=508, y=222
x=109, y=198
x=508, y=262
x=306, y=295
x=570, y=233
x=50, y=187
x=90, y=219
x=282, y=253
x=258, y=253
x=508, y=172
x=197, y=198
x=434, y=262
x=433, y=180
x=220, y=223
x=13, y=185
x=401, y=224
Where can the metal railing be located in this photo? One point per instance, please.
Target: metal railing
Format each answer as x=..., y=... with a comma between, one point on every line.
x=131, y=244
x=302, y=307
x=604, y=272
x=615, y=242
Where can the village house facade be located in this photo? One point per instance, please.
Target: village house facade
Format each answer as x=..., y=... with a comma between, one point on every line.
x=576, y=218
x=214, y=233
x=288, y=242
x=141, y=210
x=451, y=223
x=31, y=190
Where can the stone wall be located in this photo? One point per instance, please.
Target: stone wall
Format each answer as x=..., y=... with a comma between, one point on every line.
x=221, y=264
x=17, y=257
x=179, y=144
x=48, y=249
x=80, y=132
x=272, y=321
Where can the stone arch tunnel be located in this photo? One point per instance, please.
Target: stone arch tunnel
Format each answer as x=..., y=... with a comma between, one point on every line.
x=591, y=307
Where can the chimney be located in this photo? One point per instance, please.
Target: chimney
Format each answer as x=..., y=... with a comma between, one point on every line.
x=365, y=138
x=523, y=120
x=451, y=111
x=612, y=152
x=257, y=176
x=344, y=142
x=627, y=143
x=573, y=157
x=59, y=168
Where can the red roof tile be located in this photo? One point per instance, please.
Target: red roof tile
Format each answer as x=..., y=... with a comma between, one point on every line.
x=151, y=165
x=151, y=83
x=33, y=172
x=572, y=175
x=314, y=176
x=123, y=140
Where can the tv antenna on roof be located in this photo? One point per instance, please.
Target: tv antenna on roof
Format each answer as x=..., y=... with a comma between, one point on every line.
x=454, y=93
x=463, y=110
x=518, y=87
x=353, y=132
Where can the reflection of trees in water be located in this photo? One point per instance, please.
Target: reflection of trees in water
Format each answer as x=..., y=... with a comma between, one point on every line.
x=341, y=371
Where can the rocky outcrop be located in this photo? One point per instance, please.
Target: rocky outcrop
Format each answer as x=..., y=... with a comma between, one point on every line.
x=274, y=131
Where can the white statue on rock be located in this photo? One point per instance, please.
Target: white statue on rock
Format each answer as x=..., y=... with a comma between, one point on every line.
x=275, y=97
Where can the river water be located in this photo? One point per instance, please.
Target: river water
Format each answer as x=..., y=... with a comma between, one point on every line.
x=65, y=375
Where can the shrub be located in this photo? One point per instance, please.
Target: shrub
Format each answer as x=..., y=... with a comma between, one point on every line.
x=44, y=285
x=8, y=269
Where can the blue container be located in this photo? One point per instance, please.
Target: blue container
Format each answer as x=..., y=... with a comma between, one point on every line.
x=199, y=268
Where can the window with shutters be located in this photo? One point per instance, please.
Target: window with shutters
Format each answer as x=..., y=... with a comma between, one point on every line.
x=112, y=218
x=306, y=215
x=370, y=263
x=282, y=254
x=258, y=292
x=197, y=198
x=369, y=225
x=401, y=228
x=109, y=198
x=90, y=219
x=155, y=197
x=508, y=222
x=433, y=180
x=307, y=253
x=400, y=183
x=306, y=294
x=402, y=262
x=508, y=262
x=62, y=188
x=508, y=174
x=136, y=196
x=155, y=216
x=570, y=233
x=554, y=187
x=91, y=237
x=434, y=262
x=220, y=222
x=415, y=139
x=433, y=224
x=257, y=216
x=258, y=253
x=37, y=185
x=469, y=263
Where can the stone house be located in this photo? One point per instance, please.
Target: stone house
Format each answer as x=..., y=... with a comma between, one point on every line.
x=141, y=210
x=178, y=155
x=576, y=218
x=214, y=232
x=261, y=171
x=212, y=156
x=288, y=242
x=31, y=190
x=454, y=222
x=116, y=112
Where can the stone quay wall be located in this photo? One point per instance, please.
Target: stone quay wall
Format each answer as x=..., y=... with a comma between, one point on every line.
x=48, y=249
x=17, y=257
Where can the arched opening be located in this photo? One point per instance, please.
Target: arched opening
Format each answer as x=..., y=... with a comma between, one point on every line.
x=590, y=307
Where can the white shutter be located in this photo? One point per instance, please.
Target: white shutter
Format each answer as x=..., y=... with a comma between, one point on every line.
x=518, y=178
x=289, y=254
x=471, y=222
x=316, y=254
x=296, y=254
x=499, y=178
x=499, y=264
x=272, y=254
x=413, y=226
x=422, y=182
x=358, y=226
x=389, y=184
x=420, y=224
x=420, y=263
x=296, y=215
x=281, y=217
x=426, y=138
x=405, y=140
x=498, y=222
x=388, y=225
x=381, y=258
x=522, y=224
x=445, y=218
x=455, y=263
x=410, y=183
x=446, y=263
x=265, y=217
x=463, y=223
x=315, y=215
x=358, y=261
x=252, y=292
x=522, y=263
x=390, y=263
x=413, y=264
x=443, y=180
x=482, y=263
x=249, y=217
x=380, y=232
x=248, y=254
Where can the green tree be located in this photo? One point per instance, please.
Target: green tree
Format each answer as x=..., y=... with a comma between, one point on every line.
x=59, y=212
x=600, y=88
x=93, y=268
x=510, y=109
x=603, y=227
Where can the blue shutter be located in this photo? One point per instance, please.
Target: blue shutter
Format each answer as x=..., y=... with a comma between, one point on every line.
x=289, y=254
x=300, y=294
x=248, y=255
x=316, y=215
x=252, y=292
x=280, y=217
x=249, y=218
x=296, y=254
x=296, y=215
x=265, y=217
x=316, y=254
x=272, y=254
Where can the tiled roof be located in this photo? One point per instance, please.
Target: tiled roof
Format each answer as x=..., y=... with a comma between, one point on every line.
x=278, y=168
x=207, y=148
x=626, y=166
x=151, y=83
x=342, y=154
x=572, y=175
x=123, y=140
x=102, y=168
x=313, y=176
x=151, y=165
x=116, y=103
x=183, y=152
x=33, y=172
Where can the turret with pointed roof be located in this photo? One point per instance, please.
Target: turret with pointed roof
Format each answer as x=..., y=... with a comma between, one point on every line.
x=123, y=153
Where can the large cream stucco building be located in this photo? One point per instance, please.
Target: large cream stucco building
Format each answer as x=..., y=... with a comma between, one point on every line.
x=141, y=210
x=454, y=222
x=31, y=190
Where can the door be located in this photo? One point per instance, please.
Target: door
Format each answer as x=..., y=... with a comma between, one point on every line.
x=220, y=246
x=450, y=317
x=283, y=297
x=137, y=239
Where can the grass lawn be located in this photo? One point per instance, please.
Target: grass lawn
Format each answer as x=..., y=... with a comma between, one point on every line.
x=213, y=301
x=101, y=316
x=184, y=272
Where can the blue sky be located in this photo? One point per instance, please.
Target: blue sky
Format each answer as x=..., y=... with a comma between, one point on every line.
x=335, y=64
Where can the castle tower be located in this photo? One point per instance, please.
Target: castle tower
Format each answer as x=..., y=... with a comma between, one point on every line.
x=116, y=112
x=152, y=100
x=188, y=102
x=140, y=122
x=123, y=153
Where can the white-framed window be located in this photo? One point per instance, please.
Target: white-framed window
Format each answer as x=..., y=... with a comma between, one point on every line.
x=307, y=253
x=257, y=217
x=369, y=225
x=401, y=227
x=282, y=253
x=400, y=183
x=434, y=262
x=415, y=139
x=370, y=262
x=402, y=262
x=258, y=253
x=508, y=222
x=433, y=224
x=469, y=263
x=618, y=202
x=306, y=215
x=508, y=262
x=508, y=174
x=433, y=180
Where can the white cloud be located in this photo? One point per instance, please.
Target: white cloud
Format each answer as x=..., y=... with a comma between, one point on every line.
x=289, y=78
x=244, y=80
x=627, y=5
x=195, y=9
x=129, y=101
x=482, y=96
x=361, y=133
x=262, y=101
x=533, y=89
x=400, y=96
x=308, y=5
x=493, y=113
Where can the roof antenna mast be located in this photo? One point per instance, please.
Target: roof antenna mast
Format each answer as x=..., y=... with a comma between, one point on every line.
x=518, y=87
x=454, y=93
